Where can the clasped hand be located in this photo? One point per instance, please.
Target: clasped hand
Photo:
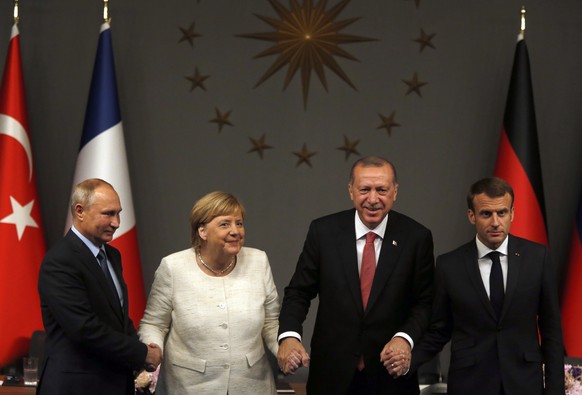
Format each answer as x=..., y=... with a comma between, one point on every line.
x=291, y=355
x=153, y=357
x=396, y=357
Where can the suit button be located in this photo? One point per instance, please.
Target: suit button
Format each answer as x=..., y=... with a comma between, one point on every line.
x=226, y=366
x=499, y=328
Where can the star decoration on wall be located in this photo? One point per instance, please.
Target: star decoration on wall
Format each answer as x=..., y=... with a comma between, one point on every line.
x=306, y=39
x=425, y=40
x=188, y=35
x=304, y=156
x=221, y=119
x=197, y=80
x=414, y=85
x=259, y=146
x=349, y=147
x=20, y=217
x=388, y=122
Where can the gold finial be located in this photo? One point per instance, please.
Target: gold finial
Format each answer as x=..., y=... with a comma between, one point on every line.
x=106, y=18
x=16, y=17
x=522, y=18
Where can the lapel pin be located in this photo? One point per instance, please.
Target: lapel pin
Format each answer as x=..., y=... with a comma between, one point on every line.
x=517, y=254
x=394, y=243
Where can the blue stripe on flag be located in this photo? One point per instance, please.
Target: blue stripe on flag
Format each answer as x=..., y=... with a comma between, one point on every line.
x=103, y=106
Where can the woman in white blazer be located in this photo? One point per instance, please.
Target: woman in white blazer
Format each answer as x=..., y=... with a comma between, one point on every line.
x=212, y=307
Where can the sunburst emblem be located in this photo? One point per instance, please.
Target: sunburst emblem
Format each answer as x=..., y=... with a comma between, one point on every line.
x=307, y=38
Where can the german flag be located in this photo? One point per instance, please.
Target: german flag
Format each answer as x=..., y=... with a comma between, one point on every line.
x=518, y=157
x=572, y=296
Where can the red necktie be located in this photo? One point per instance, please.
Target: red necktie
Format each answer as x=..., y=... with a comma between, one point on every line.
x=368, y=268
x=367, y=276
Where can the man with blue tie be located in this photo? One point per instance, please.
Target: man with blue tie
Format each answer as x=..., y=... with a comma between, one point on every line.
x=496, y=300
x=91, y=344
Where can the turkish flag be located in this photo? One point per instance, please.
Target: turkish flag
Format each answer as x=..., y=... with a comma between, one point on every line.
x=518, y=157
x=102, y=155
x=22, y=244
x=572, y=296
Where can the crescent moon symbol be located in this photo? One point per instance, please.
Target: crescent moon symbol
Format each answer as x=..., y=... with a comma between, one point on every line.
x=11, y=127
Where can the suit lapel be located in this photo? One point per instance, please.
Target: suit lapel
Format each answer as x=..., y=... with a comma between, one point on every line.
x=514, y=264
x=86, y=258
x=346, y=246
x=388, y=258
x=472, y=267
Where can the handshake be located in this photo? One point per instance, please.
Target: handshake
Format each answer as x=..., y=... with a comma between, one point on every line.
x=291, y=355
x=153, y=357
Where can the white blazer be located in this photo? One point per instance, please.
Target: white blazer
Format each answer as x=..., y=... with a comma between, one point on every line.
x=212, y=329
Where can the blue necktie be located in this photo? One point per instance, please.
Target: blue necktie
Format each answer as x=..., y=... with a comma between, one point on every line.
x=102, y=258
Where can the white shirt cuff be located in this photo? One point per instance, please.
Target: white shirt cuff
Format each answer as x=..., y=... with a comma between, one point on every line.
x=406, y=337
x=289, y=334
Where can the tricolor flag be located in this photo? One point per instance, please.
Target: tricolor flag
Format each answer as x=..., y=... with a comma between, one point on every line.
x=572, y=296
x=102, y=155
x=518, y=157
x=22, y=244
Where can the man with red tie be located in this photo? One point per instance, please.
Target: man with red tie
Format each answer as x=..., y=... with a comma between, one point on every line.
x=372, y=269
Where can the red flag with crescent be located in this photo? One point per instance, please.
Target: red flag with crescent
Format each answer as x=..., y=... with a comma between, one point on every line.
x=22, y=244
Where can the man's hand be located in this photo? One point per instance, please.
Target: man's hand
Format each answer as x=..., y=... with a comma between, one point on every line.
x=291, y=355
x=396, y=356
x=153, y=357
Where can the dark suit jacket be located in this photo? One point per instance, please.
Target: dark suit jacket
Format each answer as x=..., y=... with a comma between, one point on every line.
x=400, y=299
x=485, y=352
x=91, y=344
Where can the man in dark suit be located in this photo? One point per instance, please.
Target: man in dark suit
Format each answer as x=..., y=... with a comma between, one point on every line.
x=351, y=336
x=504, y=324
x=91, y=343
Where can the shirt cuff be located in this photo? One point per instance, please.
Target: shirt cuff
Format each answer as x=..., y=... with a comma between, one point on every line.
x=288, y=334
x=405, y=337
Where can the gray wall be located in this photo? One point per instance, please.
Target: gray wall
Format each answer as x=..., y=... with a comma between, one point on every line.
x=447, y=139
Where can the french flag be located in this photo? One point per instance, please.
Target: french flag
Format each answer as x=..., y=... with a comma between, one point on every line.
x=102, y=155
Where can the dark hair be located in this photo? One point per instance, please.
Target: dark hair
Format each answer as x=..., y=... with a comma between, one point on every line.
x=372, y=161
x=491, y=186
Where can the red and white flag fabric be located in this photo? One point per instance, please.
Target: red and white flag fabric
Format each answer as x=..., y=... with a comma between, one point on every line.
x=102, y=155
x=572, y=296
x=22, y=244
x=518, y=156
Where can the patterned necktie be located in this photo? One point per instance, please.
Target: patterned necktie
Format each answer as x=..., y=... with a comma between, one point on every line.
x=368, y=268
x=496, y=289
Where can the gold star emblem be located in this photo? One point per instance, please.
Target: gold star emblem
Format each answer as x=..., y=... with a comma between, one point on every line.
x=188, y=34
x=259, y=146
x=221, y=119
x=306, y=38
x=304, y=156
x=197, y=80
x=349, y=147
x=388, y=123
x=425, y=40
x=414, y=85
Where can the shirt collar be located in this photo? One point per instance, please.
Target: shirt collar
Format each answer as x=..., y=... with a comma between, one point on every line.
x=362, y=230
x=94, y=249
x=483, y=250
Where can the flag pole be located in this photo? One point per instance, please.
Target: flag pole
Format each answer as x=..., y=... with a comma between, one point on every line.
x=522, y=25
x=106, y=18
x=16, y=17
